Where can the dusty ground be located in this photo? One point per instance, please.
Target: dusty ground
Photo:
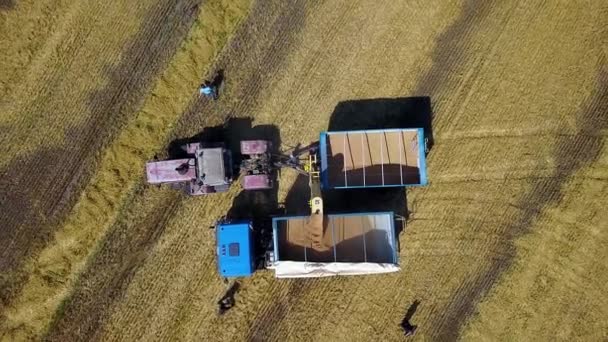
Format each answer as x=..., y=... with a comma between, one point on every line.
x=506, y=242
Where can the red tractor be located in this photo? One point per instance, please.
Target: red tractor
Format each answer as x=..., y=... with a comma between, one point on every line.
x=208, y=168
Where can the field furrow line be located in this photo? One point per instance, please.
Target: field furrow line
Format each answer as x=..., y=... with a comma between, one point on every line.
x=466, y=85
x=51, y=81
x=116, y=267
x=444, y=64
x=118, y=96
x=63, y=166
x=471, y=81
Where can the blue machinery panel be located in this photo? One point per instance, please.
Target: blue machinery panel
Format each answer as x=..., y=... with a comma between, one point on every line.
x=235, y=249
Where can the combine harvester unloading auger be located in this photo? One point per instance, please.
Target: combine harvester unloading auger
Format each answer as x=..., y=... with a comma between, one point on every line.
x=320, y=244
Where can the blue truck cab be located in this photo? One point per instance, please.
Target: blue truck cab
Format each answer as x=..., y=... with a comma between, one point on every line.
x=235, y=249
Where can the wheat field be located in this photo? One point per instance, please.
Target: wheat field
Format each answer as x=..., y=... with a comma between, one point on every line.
x=507, y=242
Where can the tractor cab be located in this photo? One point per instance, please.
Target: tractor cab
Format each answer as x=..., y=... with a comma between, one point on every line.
x=208, y=169
x=213, y=171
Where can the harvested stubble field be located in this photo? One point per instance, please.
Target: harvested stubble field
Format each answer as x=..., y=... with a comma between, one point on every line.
x=507, y=242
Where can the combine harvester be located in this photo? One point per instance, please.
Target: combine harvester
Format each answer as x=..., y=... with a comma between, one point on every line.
x=321, y=244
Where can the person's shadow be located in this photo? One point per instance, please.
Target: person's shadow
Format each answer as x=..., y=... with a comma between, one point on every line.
x=406, y=325
x=218, y=79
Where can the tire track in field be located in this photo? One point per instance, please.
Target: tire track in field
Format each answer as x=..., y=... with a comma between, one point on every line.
x=40, y=104
x=48, y=92
x=572, y=153
x=451, y=52
x=121, y=255
x=151, y=50
x=271, y=315
x=101, y=123
x=38, y=199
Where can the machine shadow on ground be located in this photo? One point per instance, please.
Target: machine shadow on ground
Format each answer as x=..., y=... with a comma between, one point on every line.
x=256, y=205
x=231, y=132
x=382, y=113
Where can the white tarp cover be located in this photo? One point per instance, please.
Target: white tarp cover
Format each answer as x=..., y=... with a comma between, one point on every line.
x=300, y=269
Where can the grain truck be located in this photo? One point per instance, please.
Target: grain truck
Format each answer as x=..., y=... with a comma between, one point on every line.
x=326, y=244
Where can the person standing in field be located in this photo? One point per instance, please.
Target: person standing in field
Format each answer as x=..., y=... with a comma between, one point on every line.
x=209, y=90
